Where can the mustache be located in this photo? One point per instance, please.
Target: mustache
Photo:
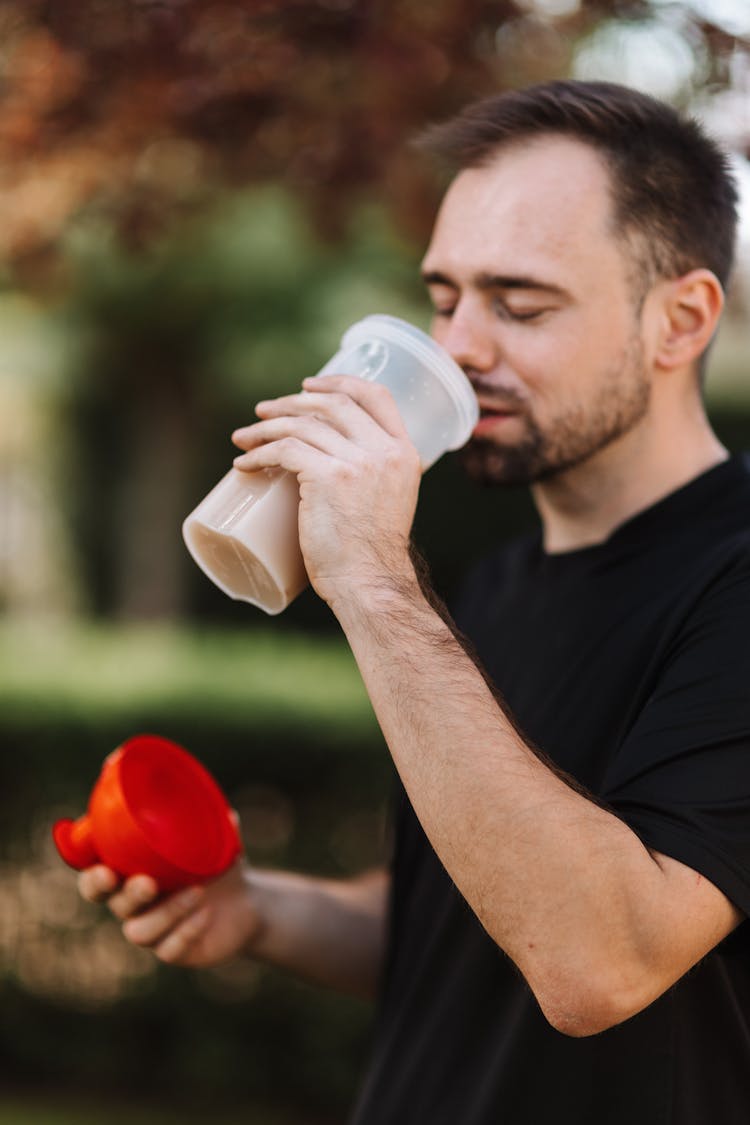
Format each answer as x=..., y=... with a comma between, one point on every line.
x=494, y=398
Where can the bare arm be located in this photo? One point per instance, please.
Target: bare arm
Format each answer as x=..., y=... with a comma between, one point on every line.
x=331, y=932
x=598, y=925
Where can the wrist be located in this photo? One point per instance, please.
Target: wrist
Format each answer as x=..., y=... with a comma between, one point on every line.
x=370, y=599
x=257, y=912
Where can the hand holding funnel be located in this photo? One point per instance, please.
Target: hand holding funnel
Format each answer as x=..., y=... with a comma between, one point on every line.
x=155, y=810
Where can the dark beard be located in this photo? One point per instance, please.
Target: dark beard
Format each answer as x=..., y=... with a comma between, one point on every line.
x=574, y=439
x=487, y=464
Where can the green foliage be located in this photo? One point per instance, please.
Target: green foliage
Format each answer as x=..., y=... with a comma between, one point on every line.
x=244, y=300
x=254, y=679
x=149, y=109
x=168, y=352
x=283, y=723
x=261, y=708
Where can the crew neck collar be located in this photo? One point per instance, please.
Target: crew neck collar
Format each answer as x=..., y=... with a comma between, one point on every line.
x=665, y=514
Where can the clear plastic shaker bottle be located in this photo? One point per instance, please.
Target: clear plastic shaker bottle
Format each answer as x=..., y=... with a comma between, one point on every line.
x=244, y=536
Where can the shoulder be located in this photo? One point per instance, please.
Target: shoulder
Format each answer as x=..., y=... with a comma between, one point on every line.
x=700, y=554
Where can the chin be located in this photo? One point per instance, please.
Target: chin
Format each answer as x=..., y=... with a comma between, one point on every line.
x=486, y=464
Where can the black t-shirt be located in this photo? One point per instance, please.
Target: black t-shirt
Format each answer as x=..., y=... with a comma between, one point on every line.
x=628, y=664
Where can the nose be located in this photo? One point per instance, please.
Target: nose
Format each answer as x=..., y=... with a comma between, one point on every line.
x=467, y=339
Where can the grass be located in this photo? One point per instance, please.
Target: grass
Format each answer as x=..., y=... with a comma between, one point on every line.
x=94, y=670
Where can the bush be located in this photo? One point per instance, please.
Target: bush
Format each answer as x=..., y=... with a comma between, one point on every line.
x=285, y=726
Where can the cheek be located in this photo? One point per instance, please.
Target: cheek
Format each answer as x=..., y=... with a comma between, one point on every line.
x=573, y=353
x=545, y=359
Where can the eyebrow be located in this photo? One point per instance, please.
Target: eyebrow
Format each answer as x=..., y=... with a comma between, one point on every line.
x=486, y=281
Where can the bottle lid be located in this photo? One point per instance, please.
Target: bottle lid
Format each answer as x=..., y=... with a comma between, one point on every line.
x=430, y=353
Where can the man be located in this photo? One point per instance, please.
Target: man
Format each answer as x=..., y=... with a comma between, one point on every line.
x=560, y=938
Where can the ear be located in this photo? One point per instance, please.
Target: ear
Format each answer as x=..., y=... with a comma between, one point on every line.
x=690, y=309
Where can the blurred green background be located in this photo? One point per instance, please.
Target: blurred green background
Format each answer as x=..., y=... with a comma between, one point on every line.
x=197, y=199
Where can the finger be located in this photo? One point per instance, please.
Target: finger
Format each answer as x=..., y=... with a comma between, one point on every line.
x=375, y=398
x=312, y=431
x=177, y=944
x=133, y=896
x=336, y=408
x=96, y=884
x=154, y=925
x=288, y=453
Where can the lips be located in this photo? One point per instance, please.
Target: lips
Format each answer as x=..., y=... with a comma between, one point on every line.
x=491, y=420
x=494, y=414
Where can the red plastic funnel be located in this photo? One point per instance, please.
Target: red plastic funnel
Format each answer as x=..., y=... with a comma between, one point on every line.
x=155, y=810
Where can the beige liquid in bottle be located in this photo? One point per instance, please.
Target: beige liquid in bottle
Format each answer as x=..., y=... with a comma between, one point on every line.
x=243, y=535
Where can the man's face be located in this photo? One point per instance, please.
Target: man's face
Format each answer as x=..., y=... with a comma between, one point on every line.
x=533, y=298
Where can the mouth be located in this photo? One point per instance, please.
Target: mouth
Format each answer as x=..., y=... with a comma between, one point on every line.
x=491, y=418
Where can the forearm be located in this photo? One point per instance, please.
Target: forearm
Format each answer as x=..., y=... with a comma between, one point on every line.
x=561, y=884
x=331, y=932
x=598, y=925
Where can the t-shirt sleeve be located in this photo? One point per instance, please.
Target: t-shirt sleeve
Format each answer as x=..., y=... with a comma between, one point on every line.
x=681, y=778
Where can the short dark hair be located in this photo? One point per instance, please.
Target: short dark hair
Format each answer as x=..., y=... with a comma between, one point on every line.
x=674, y=196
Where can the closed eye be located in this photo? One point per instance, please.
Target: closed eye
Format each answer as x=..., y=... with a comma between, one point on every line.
x=526, y=315
x=507, y=312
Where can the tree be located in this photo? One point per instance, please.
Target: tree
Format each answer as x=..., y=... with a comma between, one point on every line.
x=122, y=122
x=143, y=108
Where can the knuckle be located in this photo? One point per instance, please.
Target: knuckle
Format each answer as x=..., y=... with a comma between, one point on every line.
x=379, y=390
x=304, y=426
x=173, y=947
x=413, y=459
x=346, y=472
x=381, y=396
x=195, y=925
x=401, y=455
x=337, y=401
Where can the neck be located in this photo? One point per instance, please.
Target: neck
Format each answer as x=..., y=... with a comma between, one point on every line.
x=582, y=506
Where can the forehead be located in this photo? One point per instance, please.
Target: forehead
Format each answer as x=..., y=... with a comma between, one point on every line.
x=541, y=206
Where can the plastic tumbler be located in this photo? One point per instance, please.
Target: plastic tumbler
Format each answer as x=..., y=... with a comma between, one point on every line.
x=244, y=536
